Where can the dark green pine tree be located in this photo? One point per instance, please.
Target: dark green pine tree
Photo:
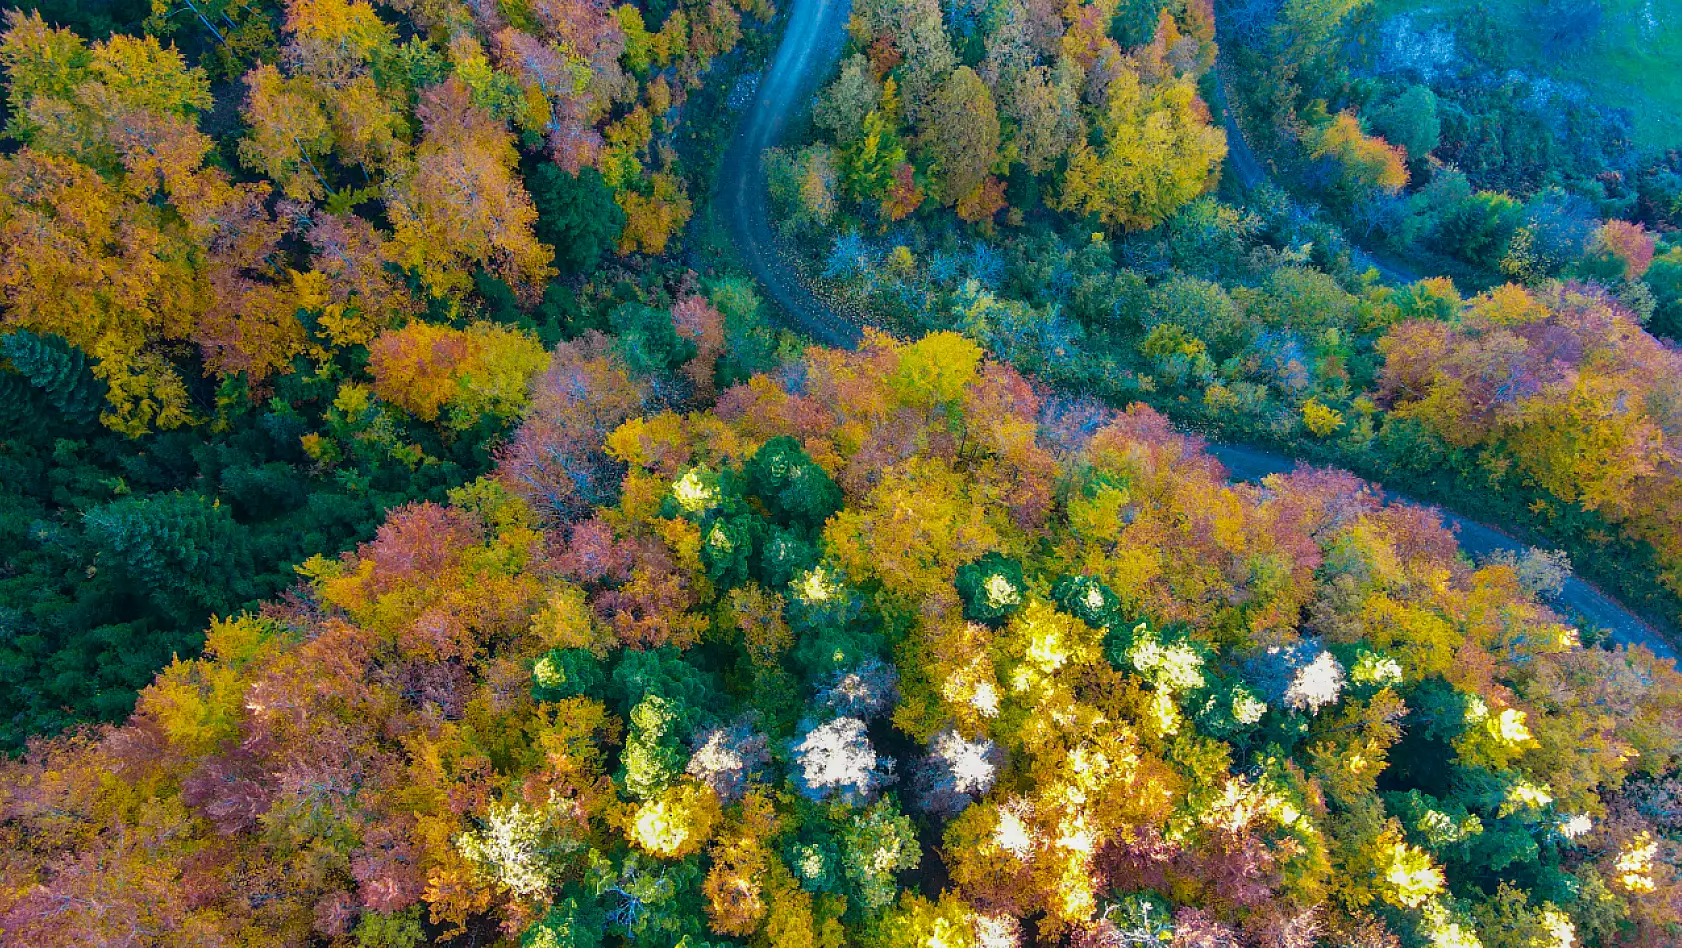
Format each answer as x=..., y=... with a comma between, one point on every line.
x=187, y=554
x=18, y=400
x=58, y=370
x=576, y=215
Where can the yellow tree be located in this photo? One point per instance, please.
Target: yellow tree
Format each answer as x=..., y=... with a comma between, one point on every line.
x=1369, y=162
x=482, y=370
x=651, y=219
x=1159, y=151
x=288, y=133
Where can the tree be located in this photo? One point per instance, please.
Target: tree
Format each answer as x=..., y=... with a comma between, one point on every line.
x=835, y=759
x=289, y=135
x=870, y=164
x=1158, y=153
x=576, y=214
x=336, y=40
x=652, y=219
x=1664, y=278
x=573, y=923
x=876, y=845
x=1629, y=247
x=458, y=204
x=960, y=134
x=1479, y=227
x=817, y=183
x=364, y=290
x=1410, y=121
x=854, y=94
x=1368, y=163
x=956, y=773
x=180, y=549
x=59, y=370
x=795, y=490
x=556, y=460
x=1045, y=106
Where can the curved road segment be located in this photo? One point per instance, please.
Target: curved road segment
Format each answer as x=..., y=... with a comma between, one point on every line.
x=810, y=48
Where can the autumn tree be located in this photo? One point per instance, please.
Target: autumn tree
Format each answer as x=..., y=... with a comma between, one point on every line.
x=458, y=203
x=652, y=219
x=556, y=461
x=1044, y=105
x=960, y=133
x=1158, y=152
x=290, y=135
x=1367, y=162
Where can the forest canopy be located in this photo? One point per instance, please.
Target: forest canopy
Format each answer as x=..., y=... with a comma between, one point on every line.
x=418, y=527
x=274, y=269
x=890, y=648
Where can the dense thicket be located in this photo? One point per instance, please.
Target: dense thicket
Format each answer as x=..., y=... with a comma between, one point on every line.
x=1004, y=109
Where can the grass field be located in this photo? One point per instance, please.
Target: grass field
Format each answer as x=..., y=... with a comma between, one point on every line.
x=1629, y=55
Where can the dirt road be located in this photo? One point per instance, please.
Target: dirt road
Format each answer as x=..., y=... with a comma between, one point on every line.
x=810, y=47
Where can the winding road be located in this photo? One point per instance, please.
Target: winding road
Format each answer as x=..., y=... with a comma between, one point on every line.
x=810, y=48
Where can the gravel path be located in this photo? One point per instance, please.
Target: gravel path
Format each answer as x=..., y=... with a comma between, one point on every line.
x=810, y=48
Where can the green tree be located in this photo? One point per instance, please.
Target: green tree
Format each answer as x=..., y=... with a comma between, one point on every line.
x=1664, y=278
x=961, y=135
x=183, y=551
x=793, y=487
x=1411, y=121
x=877, y=845
x=648, y=341
x=569, y=923
x=576, y=214
x=58, y=370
